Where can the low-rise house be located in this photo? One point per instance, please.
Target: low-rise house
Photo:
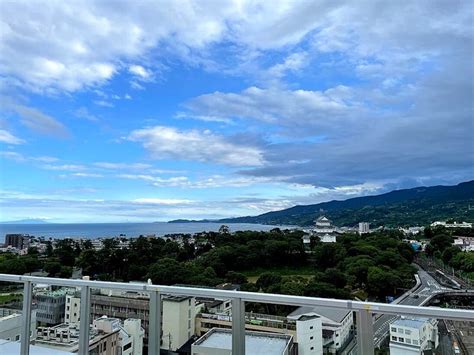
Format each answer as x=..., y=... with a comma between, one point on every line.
x=413, y=336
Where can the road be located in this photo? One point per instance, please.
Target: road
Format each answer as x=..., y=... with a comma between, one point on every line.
x=428, y=287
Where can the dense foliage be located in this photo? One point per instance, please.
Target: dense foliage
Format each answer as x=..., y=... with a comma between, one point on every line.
x=441, y=247
x=417, y=206
x=376, y=264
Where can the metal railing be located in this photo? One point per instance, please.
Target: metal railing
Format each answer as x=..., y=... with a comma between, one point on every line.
x=364, y=310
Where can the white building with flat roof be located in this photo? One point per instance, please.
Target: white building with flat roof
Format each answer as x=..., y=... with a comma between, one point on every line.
x=364, y=227
x=336, y=325
x=309, y=334
x=178, y=321
x=219, y=342
x=10, y=324
x=413, y=336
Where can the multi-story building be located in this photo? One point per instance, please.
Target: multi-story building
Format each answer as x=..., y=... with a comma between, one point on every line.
x=65, y=337
x=19, y=241
x=10, y=324
x=130, y=335
x=364, y=227
x=219, y=342
x=178, y=321
x=337, y=325
x=72, y=308
x=413, y=336
x=50, y=305
x=309, y=335
x=306, y=330
x=324, y=230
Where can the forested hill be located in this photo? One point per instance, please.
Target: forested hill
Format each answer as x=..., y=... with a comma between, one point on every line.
x=416, y=206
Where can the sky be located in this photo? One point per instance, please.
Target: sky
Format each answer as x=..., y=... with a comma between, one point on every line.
x=128, y=111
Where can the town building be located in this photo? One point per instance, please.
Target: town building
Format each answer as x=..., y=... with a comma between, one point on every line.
x=306, y=330
x=464, y=243
x=413, y=336
x=219, y=342
x=324, y=230
x=130, y=334
x=65, y=337
x=364, y=227
x=10, y=324
x=72, y=308
x=177, y=318
x=51, y=305
x=451, y=225
x=18, y=241
x=178, y=321
x=337, y=326
x=8, y=347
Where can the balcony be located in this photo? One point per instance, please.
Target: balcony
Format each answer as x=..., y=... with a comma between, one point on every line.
x=366, y=313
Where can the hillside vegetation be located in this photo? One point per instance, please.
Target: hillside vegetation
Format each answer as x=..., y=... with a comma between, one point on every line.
x=416, y=206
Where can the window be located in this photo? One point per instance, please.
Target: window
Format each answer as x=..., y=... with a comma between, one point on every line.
x=408, y=341
x=311, y=338
x=400, y=330
x=17, y=337
x=407, y=331
x=311, y=327
x=394, y=329
x=394, y=338
x=401, y=340
x=311, y=348
x=128, y=346
x=415, y=342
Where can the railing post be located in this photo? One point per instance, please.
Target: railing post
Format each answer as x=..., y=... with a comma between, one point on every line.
x=365, y=332
x=85, y=314
x=238, y=326
x=26, y=319
x=154, y=323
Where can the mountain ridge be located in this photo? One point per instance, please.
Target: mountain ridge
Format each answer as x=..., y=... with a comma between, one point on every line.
x=418, y=205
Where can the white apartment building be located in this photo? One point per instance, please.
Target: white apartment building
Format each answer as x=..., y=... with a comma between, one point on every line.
x=413, y=336
x=451, y=225
x=72, y=308
x=337, y=325
x=130, y=334
x=178, y=321
x=364, y=227
x=10, y=324
x=219, y=342
x=309, y=335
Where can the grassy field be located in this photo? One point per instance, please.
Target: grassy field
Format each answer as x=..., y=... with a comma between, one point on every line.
x=9, y=297
x=306, y=272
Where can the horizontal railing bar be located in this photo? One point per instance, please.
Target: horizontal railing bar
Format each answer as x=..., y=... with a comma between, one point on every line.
x=373, y=307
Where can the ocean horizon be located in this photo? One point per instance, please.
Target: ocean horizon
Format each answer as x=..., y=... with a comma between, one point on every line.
x=129, y=230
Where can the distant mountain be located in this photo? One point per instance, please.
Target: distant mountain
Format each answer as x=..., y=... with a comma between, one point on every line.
x=416, y=206
x=27, y=221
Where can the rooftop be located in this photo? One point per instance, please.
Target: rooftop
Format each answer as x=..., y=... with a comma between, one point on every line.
x=411, y=323
x=255, y=343
x=336, y=315
x=13, y=347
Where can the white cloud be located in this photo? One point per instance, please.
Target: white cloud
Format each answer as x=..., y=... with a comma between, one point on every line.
x=304, y=111
x=104, y=103
x=140, y=72
x=7, y=137
x=64, y=167
x=83, y=112
x=161, y=201
x=203, y=146
x=34, y=119
x=122, y=166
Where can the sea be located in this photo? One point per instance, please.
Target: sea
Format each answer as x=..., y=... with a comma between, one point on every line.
x=129, y=230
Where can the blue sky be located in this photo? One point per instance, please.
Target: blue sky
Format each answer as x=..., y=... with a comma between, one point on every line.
x=137, y=111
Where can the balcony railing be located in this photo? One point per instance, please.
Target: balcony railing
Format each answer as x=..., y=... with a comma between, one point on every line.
x=364, y=310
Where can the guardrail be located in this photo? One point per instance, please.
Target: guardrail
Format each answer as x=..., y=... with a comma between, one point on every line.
x=365, y=310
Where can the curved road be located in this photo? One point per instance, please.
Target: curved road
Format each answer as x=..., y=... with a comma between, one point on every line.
x=428, y=287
